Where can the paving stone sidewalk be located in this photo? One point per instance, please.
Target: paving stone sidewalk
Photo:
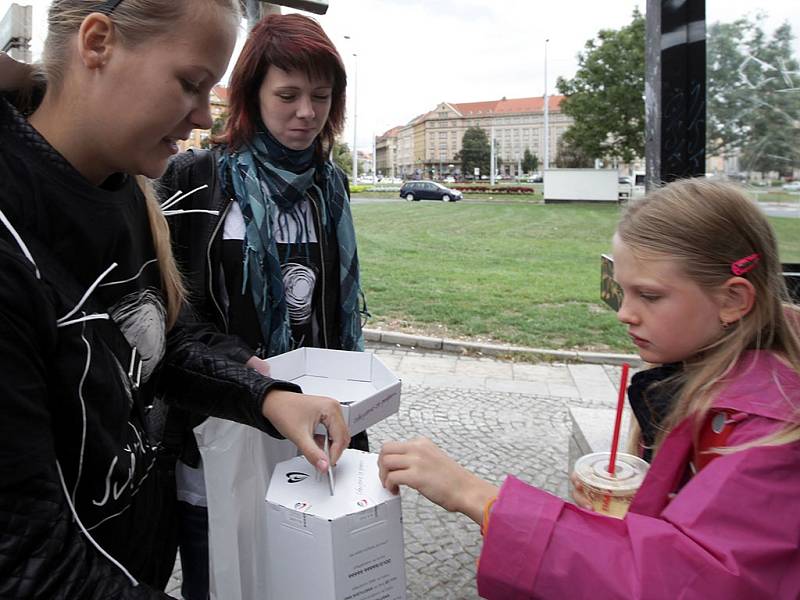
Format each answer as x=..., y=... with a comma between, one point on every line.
x=495, y=417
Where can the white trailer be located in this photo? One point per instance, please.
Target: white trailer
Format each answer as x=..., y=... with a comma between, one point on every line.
x=581, y=185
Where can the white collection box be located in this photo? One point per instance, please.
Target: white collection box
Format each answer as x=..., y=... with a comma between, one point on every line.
x=348, y=546
x=367, y=390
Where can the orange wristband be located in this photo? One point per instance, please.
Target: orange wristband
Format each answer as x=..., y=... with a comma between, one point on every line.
x=486, y=510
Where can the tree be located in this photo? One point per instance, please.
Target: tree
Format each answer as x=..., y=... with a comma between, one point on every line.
x=343, y=157
x=530, y=162
x=606, y=96
x=475, y=151
x=753, y=106
x=216, y=128
x=570, y=155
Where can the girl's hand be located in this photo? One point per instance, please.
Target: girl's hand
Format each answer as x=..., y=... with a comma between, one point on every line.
x=296, y=416
x=422, y=465
x=578, y=495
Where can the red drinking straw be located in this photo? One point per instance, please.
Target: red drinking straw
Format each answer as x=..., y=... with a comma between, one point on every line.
x=623, y=386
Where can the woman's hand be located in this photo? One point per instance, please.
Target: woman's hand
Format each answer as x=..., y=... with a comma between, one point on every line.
x=14, y=74
x=258, y=364
x=296, y=416
x=422, y=465
x=578, y=495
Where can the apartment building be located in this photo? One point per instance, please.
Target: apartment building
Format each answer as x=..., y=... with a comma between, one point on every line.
x=218, y=99
x=428, y=144
x=386, y=153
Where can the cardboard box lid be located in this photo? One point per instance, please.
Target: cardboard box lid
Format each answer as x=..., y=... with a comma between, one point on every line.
x=349, y=377
x=296, y=486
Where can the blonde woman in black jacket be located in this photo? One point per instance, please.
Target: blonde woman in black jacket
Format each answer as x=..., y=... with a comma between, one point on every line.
x=90, y=301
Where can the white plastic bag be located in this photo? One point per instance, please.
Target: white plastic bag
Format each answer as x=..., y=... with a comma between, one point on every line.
x=237, y=464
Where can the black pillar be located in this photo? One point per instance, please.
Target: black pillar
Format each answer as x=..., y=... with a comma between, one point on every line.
x=675, y=90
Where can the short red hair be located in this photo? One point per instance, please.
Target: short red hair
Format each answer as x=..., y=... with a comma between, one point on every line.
x=293, y=43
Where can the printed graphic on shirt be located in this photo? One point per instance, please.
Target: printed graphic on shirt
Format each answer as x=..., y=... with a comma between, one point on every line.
x=294, y=225
x=142, y=318
x=298, y=284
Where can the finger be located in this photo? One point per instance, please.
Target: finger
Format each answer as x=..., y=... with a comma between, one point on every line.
x=394, y=448
x=259, y=365
x=314, y=455
x=389, y=463
x=394, y=462
x=394, y=480
x=338, y=433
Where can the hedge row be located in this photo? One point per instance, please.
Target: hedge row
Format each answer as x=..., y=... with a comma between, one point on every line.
x=497, y=189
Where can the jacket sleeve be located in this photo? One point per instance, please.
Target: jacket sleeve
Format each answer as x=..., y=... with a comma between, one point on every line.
x=43, y=554
x=207, y=333
x=731, y=532
x=198, y=378
x=187, y=171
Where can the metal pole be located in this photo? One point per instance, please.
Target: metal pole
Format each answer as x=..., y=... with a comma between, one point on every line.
x=16, y=32
x=355, y=116
x=375, y=160
x=546, y=113
x=675, y=94
x=491, y=160
x=257, y=9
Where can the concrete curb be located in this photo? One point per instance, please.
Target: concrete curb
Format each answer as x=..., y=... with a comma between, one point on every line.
x=460, y=347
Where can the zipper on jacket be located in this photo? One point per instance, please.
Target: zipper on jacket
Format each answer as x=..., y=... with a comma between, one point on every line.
x=224, y=208
x=320, y=236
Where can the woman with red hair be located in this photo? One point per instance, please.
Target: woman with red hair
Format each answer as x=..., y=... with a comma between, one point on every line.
x=268, y=248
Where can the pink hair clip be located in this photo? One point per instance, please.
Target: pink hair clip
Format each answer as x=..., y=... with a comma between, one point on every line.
x=745, y=265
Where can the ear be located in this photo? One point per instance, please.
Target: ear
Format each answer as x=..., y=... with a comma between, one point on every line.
x=738, y=298
x=96, y=40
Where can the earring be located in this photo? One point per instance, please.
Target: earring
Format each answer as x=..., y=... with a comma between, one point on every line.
x=724, y=324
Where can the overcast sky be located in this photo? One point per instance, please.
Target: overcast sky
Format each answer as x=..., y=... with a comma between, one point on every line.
x=413, y=54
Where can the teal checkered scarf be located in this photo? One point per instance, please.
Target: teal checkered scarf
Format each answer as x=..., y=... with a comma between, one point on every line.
x=266, y=175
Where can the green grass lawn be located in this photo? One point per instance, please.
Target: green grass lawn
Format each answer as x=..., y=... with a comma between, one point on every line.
x=526, y=274
x=775, y=196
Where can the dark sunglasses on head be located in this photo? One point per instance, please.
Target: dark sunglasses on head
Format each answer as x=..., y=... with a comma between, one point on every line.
x=109, y=6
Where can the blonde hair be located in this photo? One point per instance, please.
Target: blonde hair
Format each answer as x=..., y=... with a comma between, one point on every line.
x=705, y=226
x=135, y=21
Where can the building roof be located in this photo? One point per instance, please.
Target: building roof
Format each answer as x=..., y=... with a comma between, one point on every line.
x=391, y=132
x=506, y=106
x=222, y=93
x=488, y=107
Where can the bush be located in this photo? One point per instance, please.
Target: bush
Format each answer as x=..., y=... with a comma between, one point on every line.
x=357, y=189
x=497, y=189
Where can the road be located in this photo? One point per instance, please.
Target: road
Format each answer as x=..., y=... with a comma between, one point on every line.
x=773, y=209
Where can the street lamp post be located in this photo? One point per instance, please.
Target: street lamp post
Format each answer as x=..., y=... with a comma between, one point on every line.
x=355, y=111
x=546, y=113
x=355, y=116
x=374, y=159
x=492, y=158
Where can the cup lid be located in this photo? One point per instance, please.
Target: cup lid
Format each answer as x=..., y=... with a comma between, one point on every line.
x=629, y=472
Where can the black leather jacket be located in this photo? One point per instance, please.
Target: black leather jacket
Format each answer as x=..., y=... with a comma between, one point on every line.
x=197, y=245
x=75, y=435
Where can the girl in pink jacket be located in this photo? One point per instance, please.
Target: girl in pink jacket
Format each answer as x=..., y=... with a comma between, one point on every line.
x=703, y=292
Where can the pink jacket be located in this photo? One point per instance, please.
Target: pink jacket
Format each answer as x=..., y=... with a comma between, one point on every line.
x=732, y=532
